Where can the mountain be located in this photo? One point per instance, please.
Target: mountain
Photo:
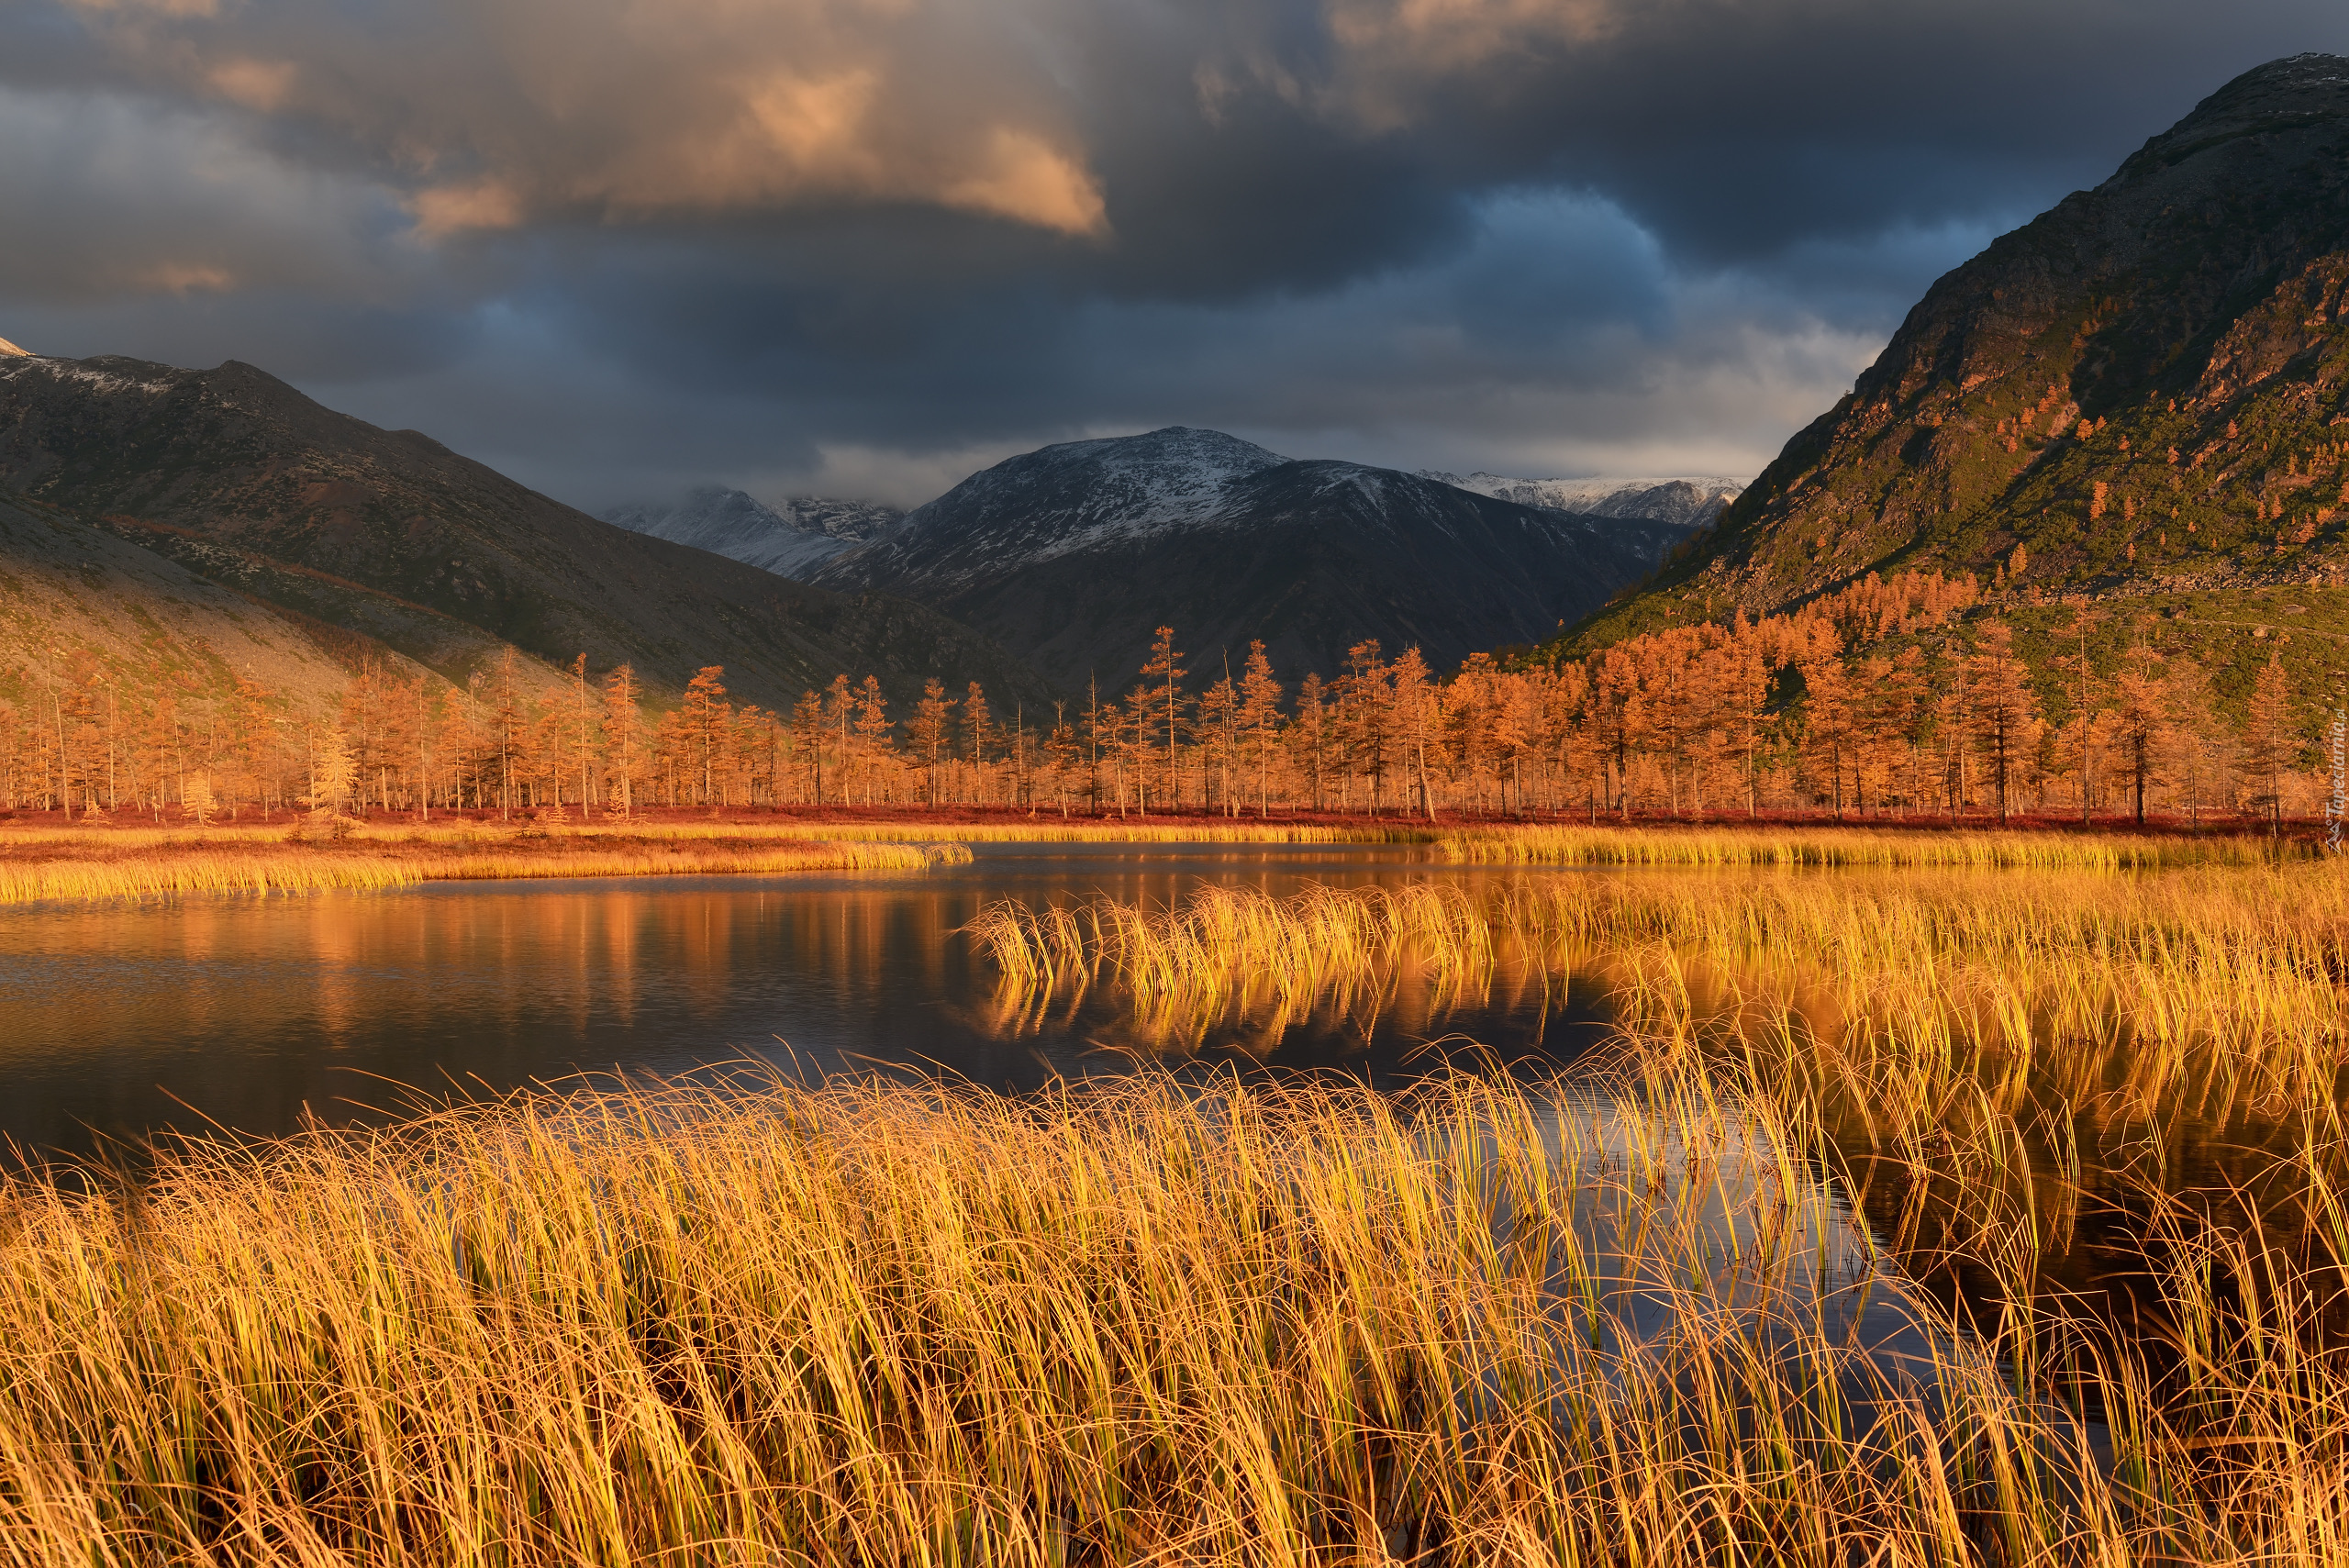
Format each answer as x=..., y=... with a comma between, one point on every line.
x=241, y=480
x=1071, y=555
x=2143, y=395
x=1689, y=502
x=74, y=597
x=790, y=541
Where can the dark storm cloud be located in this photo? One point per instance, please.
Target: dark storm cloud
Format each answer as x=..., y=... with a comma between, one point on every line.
x=615, y=246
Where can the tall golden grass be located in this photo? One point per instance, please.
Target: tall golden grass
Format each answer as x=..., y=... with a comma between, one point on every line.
x=2119, y=991
x=1848, y=847
x=1908, y=1006
x=1286, y=1325
x=298, y=868
x=1230, y=953
x=469, y=831
x=1624, y=1318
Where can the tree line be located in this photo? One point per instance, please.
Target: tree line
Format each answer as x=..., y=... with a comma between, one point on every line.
x=1903, y=696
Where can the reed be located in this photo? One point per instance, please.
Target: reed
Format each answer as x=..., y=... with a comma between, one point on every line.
x=358, y=865
x=1271, y=1324
x=1238, y=954
x=1849, y=847
x=1910, y=1008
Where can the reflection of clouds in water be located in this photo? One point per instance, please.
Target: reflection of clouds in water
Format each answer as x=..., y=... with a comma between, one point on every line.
x=1697, y=1254
x=241, y=1008
x=246, y=1009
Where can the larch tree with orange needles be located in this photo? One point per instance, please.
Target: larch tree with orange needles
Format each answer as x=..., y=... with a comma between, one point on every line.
x=1259, y=719
x=2003, y=710
x=2141, y=718
x=2269, y=746
x=623, y=740
x=1165, y=667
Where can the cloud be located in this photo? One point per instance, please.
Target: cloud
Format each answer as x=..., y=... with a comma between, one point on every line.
x=110, y=196
x=618, y=245
x=487, y=114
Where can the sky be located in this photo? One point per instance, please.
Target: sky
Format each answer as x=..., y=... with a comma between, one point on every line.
x=864, y=248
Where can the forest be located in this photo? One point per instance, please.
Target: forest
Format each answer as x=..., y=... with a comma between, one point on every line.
x=1903, y=697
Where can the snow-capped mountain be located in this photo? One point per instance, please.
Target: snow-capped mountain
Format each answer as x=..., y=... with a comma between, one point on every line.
x=790, y=541
x=1072, y=554
x=1689, y=501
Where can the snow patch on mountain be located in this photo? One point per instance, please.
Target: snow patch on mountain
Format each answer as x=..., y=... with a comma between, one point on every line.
x=1082, y=494
x=1688, y=500
x=790, y=540
x=89, y=373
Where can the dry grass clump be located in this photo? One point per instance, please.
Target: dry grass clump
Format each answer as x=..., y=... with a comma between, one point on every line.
x=467, y=831
x=1285, y=1325
x=1229, y=954
x=1230, y=832
x=2135, y=1000
x=1850, y=845
x=903, y=1325
x=355, y=863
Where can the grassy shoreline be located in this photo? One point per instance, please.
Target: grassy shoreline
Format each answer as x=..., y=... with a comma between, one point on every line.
x=44, y=864
x=1179, y=1319
x=261, y=862
x=1295, y=1324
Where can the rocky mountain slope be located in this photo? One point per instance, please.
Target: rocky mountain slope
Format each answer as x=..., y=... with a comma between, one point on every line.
x=1072, y=554
x=76, y=599
x=1688, y=503
x=791, y=540
x=2143, y=394
x=240, y=480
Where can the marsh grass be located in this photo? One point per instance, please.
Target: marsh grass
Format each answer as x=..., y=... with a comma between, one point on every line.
x=2055, y=1070
x=1918, y=998
x=1289, y=1323
x=1229, y=955
x=359, y=862
x=1854, y=846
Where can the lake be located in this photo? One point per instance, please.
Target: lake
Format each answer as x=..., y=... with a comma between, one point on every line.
x=253, y=1013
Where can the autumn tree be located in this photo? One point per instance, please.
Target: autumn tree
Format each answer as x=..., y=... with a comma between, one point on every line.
x=1311, y=731
x=2002, y=711
x=873, y=729
x=933, y=716
x=704, y=714
x=2141, y=720
x=623, y=740
x=1418, y=712
x=1165, y=667
x=1259, y=719
x=2268, y=747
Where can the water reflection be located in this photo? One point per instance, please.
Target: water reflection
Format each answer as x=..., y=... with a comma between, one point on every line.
x=255, y=1013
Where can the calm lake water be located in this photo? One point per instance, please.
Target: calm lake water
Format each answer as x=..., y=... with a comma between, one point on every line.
x=249, y=1013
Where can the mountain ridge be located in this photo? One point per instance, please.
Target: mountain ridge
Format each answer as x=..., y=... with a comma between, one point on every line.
x=197, y=463
x=1689, y=501
x=789, y=540
x=1071, y=554
x=2138, y=394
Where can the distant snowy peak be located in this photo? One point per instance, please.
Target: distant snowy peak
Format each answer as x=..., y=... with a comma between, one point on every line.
x=1061, y=497
x=1689, y=501
x=789, y=541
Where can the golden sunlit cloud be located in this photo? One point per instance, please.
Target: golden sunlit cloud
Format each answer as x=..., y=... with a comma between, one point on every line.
x=1030, y=181
x=629, y=112
x=186, y=277
x=175, y=8
x=263, y=84
x=444, y=210
x=1391, y=50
